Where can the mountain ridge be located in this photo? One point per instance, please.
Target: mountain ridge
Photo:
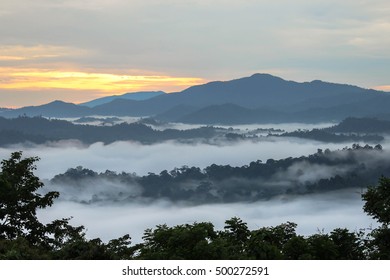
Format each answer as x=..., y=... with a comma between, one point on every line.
x=263, y=96
x=140, y=95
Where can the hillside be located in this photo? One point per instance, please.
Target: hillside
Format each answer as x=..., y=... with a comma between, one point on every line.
x=142, y=95
x=256, y=99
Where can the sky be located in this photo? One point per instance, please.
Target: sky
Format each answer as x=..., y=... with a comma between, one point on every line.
x=79, y=50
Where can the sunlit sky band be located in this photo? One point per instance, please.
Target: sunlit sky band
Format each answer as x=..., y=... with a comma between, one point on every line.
x=79, y=50
x=35, y=79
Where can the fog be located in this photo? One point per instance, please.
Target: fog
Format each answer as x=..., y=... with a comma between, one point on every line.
x=141, y=159
x=312, y=214
x=288, y=127
x=111, y=220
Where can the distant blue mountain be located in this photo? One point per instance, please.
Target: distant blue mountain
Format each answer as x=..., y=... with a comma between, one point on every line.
x=141, y=95
x=4, y=110
x=53, y=109
x=256, y=99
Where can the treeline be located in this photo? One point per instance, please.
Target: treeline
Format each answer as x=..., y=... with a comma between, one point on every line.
x=39, y=130
x=326, y=170
x=361, y=125
x=369, y=130
x=23, y=236
x=326, y=136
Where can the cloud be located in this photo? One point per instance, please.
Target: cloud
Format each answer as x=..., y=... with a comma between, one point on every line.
x=141, y=159
x=213, y=39
x=93, y=190
x=383, y=88
x=304, y=172
x=20, y=52
x=111, y=220
x=43, y=68
x=37, y=79
x=311, y=213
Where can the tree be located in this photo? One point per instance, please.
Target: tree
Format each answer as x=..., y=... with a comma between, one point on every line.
x=189, y=241
x=235, y=237
x=322, y=247
x=23, y=236
x=380, y=243
x=377, y=201
x=270, y=242
x=297, y=248
x=349, y=245
x=377, y=204
x=19, y=200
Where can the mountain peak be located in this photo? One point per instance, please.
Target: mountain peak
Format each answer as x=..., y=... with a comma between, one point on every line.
x=58, y=102
x=263, y=75
x=136, y=96
x=259, y=90
x=266, y=76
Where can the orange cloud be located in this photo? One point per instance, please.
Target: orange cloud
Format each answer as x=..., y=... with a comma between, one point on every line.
x=383, y=88
x=36, y=79
x=11, y=58
x=18, y=52
x=32, y=76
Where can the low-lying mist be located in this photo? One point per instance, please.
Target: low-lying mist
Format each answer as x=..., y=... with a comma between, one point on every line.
x=57, y=157
x=312, y=213
x=356, y=167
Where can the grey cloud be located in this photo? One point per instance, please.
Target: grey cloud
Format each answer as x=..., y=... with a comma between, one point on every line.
x=110, y=220
x=141, y=159
x=210, y=40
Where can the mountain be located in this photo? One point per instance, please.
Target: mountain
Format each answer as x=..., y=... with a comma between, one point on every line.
x=142, y=95
x=40, y=130
x=4, y=110
x=54, y=109
x=231, y=114
x=176, y=113
x=256, y=99
x=361, y=125
x=256, y=92
x=264, y=90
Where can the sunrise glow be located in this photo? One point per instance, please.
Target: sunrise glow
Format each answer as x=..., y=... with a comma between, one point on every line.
x=38, y=79
x=383, y=88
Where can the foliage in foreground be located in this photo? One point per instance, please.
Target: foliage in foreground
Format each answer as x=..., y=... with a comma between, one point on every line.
x=23, y=236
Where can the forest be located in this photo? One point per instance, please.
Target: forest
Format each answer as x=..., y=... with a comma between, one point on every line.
x=361, y=168
x=23, y=236
x=40, y=130
x=325, y=171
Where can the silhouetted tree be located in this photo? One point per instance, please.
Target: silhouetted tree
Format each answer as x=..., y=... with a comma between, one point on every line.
x=19, y=200
x=377, y=205
x=23, y=236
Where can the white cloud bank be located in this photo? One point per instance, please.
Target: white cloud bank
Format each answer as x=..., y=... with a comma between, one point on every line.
x=141, y=159
x=311, y=213
x=108, y=221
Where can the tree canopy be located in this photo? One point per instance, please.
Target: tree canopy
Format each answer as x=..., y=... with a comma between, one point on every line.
x=23, y=236
x=19, y=199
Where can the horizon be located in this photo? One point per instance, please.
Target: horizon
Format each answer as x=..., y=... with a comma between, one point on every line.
x=245, y=130
x=165, y=92
x=77, y=51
